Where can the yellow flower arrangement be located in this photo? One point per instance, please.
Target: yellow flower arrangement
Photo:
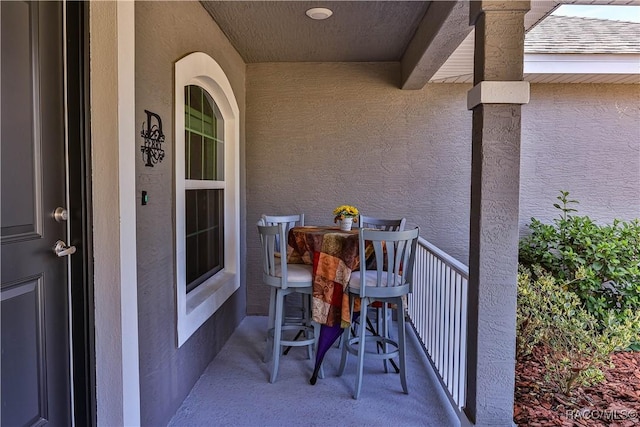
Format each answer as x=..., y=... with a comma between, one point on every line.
x=345, y=211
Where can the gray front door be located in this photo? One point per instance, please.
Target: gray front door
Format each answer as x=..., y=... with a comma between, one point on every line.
x=34, y=289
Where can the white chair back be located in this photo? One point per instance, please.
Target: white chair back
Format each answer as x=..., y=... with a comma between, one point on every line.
x=394, y=255
x=289, y=222
x=382, y=224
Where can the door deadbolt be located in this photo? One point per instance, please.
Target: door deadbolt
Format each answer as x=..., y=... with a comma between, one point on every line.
x=60, y=214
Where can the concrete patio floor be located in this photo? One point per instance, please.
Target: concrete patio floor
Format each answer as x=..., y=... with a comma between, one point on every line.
x=234, y=390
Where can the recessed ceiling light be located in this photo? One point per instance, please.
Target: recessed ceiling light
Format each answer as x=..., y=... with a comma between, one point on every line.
x=319, y=13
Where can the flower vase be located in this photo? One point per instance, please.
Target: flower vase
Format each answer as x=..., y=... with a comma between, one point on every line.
x=346, y=224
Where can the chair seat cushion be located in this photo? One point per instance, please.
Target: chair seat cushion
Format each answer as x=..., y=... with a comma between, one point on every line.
x=297, y=272
x=371, y=278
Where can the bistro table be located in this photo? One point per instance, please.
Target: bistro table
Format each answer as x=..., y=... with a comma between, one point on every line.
x=334, y=254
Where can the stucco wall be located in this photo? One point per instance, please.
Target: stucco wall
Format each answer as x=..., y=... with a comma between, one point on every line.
x=319, y=135
x=584, y=139
x=165, y=32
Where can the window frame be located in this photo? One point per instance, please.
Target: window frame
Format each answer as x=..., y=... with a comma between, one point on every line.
x=195, y=307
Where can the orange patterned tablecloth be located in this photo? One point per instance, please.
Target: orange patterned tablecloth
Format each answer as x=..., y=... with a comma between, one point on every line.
x=334, y=254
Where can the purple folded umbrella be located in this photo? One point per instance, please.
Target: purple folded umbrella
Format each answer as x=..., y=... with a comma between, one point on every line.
x=328, y=335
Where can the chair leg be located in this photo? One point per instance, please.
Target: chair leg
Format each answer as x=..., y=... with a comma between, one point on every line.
x=306, y=307
x=277, y=335
x=307, y=321
x=402, y=346
x=316, y=335
x=389, y=317
x=270, y=325
x=364, y=303
x=384, y=324
x=344, y=340
x=379, y=326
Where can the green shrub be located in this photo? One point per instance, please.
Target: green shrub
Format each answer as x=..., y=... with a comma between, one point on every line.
x=577, y=343
x=529, y=320
x=600, y=263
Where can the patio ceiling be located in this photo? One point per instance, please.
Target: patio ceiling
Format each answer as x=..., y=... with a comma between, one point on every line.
x=431, y=39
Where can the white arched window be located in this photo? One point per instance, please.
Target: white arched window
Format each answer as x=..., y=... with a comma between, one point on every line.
x=207, y=140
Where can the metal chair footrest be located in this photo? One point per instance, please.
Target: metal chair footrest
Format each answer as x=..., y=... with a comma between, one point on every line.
x=307, y=330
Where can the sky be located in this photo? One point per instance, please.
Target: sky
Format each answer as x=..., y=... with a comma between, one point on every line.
x=618, y=13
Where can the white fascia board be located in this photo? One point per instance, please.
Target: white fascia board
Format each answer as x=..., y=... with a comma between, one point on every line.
x=580, y=63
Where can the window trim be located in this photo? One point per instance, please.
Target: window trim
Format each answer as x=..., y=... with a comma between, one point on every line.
x=194, y=308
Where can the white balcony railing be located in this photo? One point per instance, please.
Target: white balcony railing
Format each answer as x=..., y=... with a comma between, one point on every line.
x=438, y=311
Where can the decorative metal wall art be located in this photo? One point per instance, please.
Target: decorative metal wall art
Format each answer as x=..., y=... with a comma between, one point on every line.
x=152, y=151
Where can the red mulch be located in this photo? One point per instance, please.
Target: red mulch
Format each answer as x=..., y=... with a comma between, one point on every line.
x=614, y=402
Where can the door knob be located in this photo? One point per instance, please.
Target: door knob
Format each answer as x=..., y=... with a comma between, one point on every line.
x=61, y=249
x=60, y=214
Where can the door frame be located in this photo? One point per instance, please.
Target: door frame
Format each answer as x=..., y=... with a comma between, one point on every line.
x=82, y=309
x=113, y=181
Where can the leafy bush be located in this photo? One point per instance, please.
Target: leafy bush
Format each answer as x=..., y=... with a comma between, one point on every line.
x=600, y=263
x=578, y=344
x=529, y=320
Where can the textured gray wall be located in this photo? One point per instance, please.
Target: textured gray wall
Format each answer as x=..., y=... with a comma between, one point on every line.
x=584, y=139
x=319, y=135
x=165, y=32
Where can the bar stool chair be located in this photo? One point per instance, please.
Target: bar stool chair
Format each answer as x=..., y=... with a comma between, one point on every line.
x=389, y=281
x=284, y=279
x=381, y=309
x=295, y=314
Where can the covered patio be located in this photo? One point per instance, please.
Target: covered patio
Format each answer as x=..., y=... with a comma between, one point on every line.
x=172, y=126
x=250, y=400
x=309, y=133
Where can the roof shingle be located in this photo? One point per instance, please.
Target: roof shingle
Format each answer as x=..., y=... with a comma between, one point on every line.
x=564, y=34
